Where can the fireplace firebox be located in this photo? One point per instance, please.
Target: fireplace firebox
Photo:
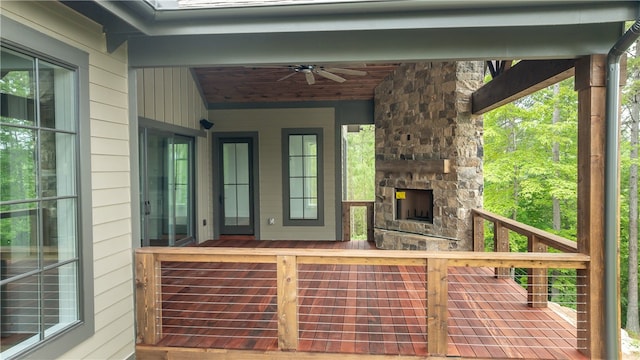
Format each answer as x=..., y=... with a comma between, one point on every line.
x=414, y=204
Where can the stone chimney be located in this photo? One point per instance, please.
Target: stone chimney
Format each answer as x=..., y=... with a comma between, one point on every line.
x=428, y=149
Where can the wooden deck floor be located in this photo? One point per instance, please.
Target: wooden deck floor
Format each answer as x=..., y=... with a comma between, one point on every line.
x=487, y=316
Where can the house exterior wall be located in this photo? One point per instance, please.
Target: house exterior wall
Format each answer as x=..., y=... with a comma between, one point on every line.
x=171, y=96
x=111, y=223
x=269, y=124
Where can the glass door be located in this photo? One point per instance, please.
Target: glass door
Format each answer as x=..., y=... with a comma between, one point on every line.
x=166, y=184
x=237, y=190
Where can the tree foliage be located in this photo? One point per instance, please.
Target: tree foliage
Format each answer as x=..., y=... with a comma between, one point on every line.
x=360, y=163
x=521, y=178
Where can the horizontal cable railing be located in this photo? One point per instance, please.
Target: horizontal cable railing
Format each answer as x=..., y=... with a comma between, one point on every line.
x=495, y=313
x=218, y=305
x=560, y=289
x=409, y=303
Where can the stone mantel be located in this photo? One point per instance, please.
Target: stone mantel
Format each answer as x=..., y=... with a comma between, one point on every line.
x=407, y=165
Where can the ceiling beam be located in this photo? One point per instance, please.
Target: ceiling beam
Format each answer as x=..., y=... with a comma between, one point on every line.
x=524, y=78
x=374, y=46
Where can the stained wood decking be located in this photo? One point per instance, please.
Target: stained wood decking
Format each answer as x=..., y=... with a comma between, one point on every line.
x=353, y=308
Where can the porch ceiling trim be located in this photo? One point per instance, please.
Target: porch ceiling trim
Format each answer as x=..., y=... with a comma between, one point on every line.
x=430, y=18
x=523, y=42
x=346, y=17
x=374, y=15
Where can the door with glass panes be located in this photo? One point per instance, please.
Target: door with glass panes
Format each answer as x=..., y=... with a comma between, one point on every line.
x=167, y=192
x=236, y=193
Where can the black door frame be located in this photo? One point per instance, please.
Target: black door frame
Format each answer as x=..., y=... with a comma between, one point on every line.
x=218, y=139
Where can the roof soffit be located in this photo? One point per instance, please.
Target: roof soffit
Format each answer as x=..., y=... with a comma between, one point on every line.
x=378, y=15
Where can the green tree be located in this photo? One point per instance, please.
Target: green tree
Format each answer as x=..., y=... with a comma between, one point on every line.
x=360, y=163
x=629, y=194
x=521, y=176
x=531, y=171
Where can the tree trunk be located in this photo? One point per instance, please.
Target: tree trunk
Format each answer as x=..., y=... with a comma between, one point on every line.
x=555, y=152
x=556, y=156
x=512, y=148
x=633, y=322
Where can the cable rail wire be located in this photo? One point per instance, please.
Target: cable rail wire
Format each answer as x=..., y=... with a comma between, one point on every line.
x=372, y=309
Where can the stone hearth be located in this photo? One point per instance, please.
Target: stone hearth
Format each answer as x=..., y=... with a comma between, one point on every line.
x=426, y=138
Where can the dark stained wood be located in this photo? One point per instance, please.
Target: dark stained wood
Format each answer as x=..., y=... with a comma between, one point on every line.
x=524, y=78
x=255, y=84
x=547, y=238
x=590, y=83
x=174, y=353
x=343, y=307
x=478, y=233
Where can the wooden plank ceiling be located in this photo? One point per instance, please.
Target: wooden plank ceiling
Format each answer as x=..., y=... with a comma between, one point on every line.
x=258, y=84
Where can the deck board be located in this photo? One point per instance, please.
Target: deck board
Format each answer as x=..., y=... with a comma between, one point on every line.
x=482, y=314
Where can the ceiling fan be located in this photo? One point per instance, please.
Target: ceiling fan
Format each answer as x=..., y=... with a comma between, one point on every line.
x=329, y=73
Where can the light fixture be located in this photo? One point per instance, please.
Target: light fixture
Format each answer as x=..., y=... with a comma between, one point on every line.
x=206, y=124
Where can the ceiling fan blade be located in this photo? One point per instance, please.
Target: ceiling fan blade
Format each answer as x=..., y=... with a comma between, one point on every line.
x=347, y=71
x=330, y=76
x=268, y=67
x=309, y=76
x=286, y=76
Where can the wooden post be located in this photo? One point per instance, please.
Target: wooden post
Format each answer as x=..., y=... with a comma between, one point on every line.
x=501, y=244
x=346, y=218
x=478, y=233
x=148, y=299
x=590, y=84
x=370, y=219
x=437, y=295
x=537, y=285
x=346, y=221
x=287, y=302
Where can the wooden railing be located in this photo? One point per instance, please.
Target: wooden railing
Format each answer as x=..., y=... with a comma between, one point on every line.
x=287, y=261
x=538, y=241
x=346, y=218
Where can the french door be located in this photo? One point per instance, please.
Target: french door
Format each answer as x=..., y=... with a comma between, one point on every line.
x=166, y=188
x=237, y=191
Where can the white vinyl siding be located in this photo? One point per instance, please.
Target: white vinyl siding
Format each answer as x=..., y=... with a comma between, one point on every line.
x=269, y=124
x=114, y=336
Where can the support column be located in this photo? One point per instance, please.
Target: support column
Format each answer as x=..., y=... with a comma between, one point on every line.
x=287, y=280
x=590, y=84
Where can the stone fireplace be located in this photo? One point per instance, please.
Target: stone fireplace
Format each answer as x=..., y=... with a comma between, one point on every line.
x=414, y=204
x=428, y=156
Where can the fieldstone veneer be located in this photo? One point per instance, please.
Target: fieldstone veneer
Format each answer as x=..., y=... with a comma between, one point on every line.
x=423, y=112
